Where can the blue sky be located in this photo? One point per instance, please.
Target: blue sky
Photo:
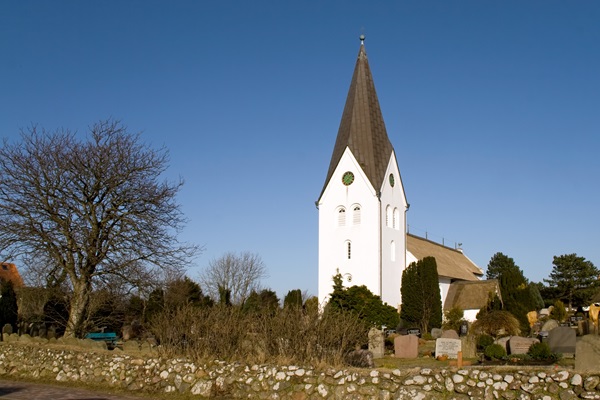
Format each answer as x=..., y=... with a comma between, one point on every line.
x=493, y=108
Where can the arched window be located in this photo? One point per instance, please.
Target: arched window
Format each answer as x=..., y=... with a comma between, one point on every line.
x=342, y=217
x=356, y=215
x=393, y=251
x=349, y=249
x=396, y=219
x=388, y=215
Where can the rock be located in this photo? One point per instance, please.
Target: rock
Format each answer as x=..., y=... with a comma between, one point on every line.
x=549, y=325
x=450, y=334
x=406, y=346
x=360, y=359
x=587, y=353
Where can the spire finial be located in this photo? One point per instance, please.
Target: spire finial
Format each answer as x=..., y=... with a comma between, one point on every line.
x=362, y=39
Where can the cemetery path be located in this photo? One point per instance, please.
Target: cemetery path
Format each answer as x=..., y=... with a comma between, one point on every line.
x=20, y=390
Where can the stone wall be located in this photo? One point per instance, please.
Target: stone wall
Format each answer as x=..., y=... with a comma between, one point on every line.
x=152, y=374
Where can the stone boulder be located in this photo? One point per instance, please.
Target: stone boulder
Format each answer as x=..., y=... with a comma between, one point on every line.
x=549, y=325
x=360, y=359
x=587, y=353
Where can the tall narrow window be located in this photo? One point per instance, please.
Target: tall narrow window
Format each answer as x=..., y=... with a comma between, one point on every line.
x=396, y=218
x=356, y=215
x=388, y=215
x=394, y=221
x=342, y=217
x=349, y=248
x=393, y=251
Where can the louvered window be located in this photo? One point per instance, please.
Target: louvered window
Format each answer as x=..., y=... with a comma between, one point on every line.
x=388, y=216
x=356, y=215
x=349, y=248
x=342, y=217
x=396, y=219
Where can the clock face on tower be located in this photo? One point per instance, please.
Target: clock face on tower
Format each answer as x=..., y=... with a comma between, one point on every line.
x=392, y=182
x=348, y=178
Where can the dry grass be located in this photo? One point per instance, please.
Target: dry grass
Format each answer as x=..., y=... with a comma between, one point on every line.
x=286, y=336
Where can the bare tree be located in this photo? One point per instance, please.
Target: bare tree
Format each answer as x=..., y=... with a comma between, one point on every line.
x=86, y=209
x=240, y=274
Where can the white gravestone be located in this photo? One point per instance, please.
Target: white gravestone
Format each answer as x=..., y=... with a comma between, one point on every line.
x=449, y=347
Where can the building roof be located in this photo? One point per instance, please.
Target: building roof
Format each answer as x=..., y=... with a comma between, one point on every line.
x=362, y=129
x=451, y=263
x=9, y=272
x=470, y=295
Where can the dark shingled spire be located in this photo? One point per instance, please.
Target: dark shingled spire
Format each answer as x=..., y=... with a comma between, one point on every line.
x=362, y=128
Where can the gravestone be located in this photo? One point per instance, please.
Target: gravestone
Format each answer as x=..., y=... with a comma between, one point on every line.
x=549, y=325
x=588, y=353
x=376, y=343
x=414, y=331
x=52, y=332
x=464, y=328
x=520, y=345
x=562, y=340
x=449, y=334
x=406, y=346
x=469, y=346
x=583, y=328
x=436, y=333
x=503, y=342
x=7, y=330
x=447, y=346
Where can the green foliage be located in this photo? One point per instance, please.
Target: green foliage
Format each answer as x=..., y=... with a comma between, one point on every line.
x=453, y=318
x=421, y=299
x=495, y=352
x=493, y=304
x=155, y=305
x=8, y=304
x=518, y=295
x=498, y=264
x=311, y=305
x=360, y=300
x=494, y=323
x=224, y=295
x=559, y=312
x=484, y=341
x=293, y=299
x=265, y=302
x=574, y=278
x=539, y=351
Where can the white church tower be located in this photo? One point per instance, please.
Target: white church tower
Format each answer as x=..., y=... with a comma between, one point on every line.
x=362, y=207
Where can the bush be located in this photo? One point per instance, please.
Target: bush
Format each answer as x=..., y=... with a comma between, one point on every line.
x=539, y=351
x=495, y=352
x=289, y=335
x=494, y=322
x=559, y=312
x=484, y=341
x=453, y=318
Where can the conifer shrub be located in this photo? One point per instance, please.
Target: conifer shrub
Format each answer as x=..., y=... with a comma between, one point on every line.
x=539, y=351
x=559, y=311
x=484, y=341
x=495, y=352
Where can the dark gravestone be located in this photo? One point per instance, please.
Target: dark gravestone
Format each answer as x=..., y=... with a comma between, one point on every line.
x=562, y=340
x=464, y=328
x=436, y=333
x=414, y=331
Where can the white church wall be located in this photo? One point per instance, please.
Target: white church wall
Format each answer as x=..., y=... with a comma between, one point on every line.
x=364, y=238
x=393, y=230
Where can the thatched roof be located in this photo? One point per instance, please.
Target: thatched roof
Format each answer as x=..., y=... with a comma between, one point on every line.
x=451, y=263
x=470, y=295
x=9, y=272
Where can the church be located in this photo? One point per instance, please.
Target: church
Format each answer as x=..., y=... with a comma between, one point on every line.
x=362, y=207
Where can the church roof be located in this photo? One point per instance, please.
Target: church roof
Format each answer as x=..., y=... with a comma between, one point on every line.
x=9, y=272
x=362, y=129
x=470, y=295
x=451, y=263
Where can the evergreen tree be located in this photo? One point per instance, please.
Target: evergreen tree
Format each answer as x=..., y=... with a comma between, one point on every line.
x=575, y=279
x=293, y=299
x=421, y=299
x=265, y=302
x=498, y=263
x=8, y=304
x=360, y=300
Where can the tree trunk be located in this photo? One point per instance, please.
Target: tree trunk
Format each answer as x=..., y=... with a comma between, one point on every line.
x=78, y=307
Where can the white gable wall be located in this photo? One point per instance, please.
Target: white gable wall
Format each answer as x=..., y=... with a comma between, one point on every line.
x=363, y=266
